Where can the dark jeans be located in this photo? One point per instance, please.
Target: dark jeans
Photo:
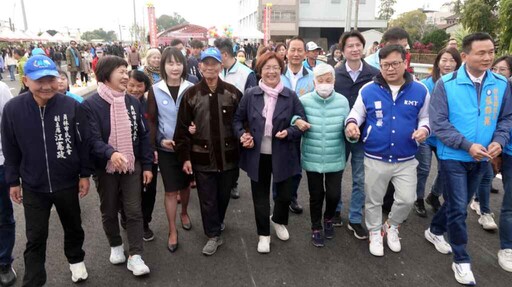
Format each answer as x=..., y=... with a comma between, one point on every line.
x=317, y=193
x=37, y=207
x=84, y=77
x=461, y=180
x=214, y=191
x=124, y=188
x=484, y=189
x=148, y=199
x=7, y=224
x=261, y=197
x=506, y=207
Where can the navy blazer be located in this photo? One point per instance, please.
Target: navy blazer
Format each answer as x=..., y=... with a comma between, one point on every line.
x=285, y=152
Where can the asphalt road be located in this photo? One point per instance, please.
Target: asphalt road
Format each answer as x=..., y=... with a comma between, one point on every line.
x=344, y=261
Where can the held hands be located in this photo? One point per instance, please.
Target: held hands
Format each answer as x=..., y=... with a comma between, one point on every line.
x=83, y=187
x=352, y=131
x=420, y=135
x=168, y=144
x=247, y=140
x=478, y=152
x=282, y=134
x=187, y=167
x=494, y=150
x=16, y=194
x=302, y=125
x=119, y=161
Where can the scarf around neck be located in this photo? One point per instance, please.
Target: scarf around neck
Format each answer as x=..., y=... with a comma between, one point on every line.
x=153, y=73
x=120, y=137
x=270, y=105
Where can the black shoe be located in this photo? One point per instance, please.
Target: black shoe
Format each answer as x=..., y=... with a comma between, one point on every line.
x=7, y=275
x=494, y=190
x=358, y=229
x=433, y=201
x=172, y=247
x=148, y=234
x=419, y=207
x=336, y=220
x=328, y=229
x=295, y=207
x=235, y=194
x=317, y=238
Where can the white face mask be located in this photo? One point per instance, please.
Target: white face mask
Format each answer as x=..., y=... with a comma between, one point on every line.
x=184, y=52
x=324, y=90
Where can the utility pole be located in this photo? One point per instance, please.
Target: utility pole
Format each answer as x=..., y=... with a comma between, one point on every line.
x=356, y=19
x=348, y=19
x=135, y=27
x=24, y=15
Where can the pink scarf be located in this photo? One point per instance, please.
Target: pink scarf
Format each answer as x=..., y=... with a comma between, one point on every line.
x=120, y=127
x=270, y=105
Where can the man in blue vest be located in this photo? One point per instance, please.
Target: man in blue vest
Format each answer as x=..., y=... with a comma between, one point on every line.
x=394, y=109
x=470, y=114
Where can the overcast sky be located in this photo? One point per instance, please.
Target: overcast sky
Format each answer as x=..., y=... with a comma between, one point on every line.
x=109, y=14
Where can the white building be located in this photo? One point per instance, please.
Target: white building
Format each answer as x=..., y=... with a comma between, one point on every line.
x=318, y=20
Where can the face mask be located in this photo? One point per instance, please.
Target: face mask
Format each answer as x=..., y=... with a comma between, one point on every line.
x=241, y=59
x=184, y=52
x=324, y=90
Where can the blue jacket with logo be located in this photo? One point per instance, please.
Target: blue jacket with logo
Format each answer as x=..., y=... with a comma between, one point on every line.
x=460, y=117
x=43, y=146
x=390, y=124
x=305, y=84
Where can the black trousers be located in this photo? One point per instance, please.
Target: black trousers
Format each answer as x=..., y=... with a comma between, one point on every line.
x=214, y=191
x=148, y=199
x=124, y=188
x=37, y=208
x=317, y=193
x=261, y=197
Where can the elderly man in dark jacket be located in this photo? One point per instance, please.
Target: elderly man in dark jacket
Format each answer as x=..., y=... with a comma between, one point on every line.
x=212, y=151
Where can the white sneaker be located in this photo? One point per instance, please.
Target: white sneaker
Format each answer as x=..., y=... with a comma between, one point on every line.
x=117, y=254
x=281, y=231
x=463, y=273
x=438, y=240
x=475, y=205
x=137, y=265
x=264, y=244
x=505, y=259
x=392, y=238
x=78, y=272
x=376, y=243
x=487, y=221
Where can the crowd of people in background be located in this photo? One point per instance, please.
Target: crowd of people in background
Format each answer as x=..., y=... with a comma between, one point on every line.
x=197, y=114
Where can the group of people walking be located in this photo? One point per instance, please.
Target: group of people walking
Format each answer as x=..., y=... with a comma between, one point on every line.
x=199, y=126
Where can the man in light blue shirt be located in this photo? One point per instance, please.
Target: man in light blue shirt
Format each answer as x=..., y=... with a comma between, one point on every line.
x=393, y=36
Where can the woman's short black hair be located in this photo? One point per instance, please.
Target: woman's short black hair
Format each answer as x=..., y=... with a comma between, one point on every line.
x=436, y=72
x=172, y=53
x=106, y=65
x=140, y=77
x=63, y=73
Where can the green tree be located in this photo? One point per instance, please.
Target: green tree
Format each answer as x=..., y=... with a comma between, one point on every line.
x=167, y=21
x=505, y=23
x=52, y=32
x=437, y=37
x=99, y=34
x=457, y=7
x=413, y=22
x=480, y=16
x=386, y=9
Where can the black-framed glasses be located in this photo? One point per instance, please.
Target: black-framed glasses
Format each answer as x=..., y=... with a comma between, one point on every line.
x=395, y=65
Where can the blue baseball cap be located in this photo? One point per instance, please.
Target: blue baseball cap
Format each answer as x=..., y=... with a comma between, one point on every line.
x=211, y=53
x=38, y=51
x=39, y=66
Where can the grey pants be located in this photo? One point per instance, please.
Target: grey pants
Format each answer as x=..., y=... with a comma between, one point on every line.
x=115, y=189
x=378, y=174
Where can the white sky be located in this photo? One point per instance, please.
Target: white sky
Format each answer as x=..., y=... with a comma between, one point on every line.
x=86, y=15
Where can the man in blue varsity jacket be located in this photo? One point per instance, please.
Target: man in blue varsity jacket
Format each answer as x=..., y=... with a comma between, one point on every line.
x=470, y=114
x=394, y=109
x=45, y=155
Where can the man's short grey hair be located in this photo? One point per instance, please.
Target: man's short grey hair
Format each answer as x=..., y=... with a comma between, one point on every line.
x=322, y=69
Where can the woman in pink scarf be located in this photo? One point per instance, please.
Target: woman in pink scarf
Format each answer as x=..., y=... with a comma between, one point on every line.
x=120, y=148
x=262, y=123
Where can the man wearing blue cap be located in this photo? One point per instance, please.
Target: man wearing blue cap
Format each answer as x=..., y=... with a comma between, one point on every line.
x=45, y=157
x=211, y=153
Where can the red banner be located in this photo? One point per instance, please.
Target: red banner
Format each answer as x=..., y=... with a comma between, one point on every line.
x=267, y=12
x=152, y=26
